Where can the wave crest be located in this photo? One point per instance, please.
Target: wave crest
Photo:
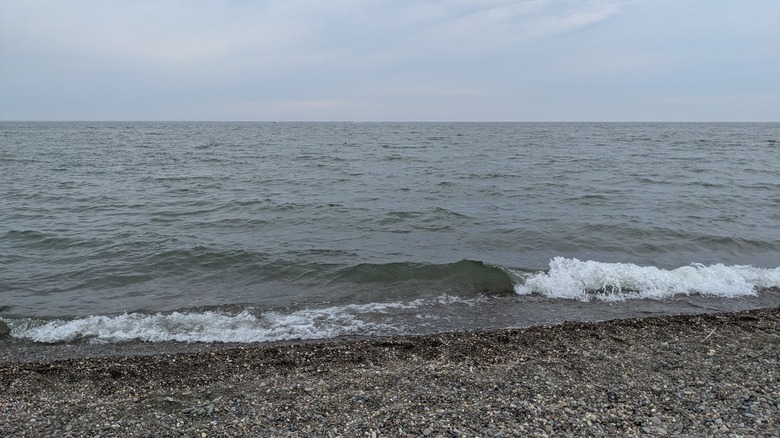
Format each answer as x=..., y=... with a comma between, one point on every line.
x=586, y=280
x=463, y=276
x=211, y=326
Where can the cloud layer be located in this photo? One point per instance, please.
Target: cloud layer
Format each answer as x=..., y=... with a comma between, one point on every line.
x=389, y=60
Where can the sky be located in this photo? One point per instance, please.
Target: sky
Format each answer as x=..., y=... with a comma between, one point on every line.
x=390, y=60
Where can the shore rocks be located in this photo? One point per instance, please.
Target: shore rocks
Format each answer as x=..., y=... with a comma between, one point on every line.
x=652, y=376
x=4, y=329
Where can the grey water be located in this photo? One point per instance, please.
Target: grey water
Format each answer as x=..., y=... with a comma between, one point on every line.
x=442, y=223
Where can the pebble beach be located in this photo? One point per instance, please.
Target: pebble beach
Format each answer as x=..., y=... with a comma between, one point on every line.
x=704, y=375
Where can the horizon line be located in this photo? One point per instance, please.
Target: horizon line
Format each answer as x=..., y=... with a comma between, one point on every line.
x=366, y=121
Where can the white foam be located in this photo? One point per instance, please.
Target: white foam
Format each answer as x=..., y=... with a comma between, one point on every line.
x=586, y=280
x=566, y=278
x=214, y=326
x=246, y=326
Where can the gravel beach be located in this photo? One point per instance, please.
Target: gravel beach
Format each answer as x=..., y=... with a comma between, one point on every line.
x=705, y=375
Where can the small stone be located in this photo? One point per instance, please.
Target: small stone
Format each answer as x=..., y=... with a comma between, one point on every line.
x=427, y=431
x=4, y=329
x=655, y=420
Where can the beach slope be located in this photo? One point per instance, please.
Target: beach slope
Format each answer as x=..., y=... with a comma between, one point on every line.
x=703, y=375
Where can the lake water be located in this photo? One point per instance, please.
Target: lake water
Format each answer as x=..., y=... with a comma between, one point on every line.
x=247, y=232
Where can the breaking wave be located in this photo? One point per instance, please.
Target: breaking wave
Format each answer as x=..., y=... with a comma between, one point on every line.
x=587, y=280
x=247, y=326
x=567, y=279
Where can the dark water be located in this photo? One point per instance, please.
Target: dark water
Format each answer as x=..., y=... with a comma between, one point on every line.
x=264, y=231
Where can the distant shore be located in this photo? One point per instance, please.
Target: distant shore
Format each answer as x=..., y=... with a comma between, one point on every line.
x=701, y=375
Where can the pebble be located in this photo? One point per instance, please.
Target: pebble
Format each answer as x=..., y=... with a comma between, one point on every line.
x=4, y=329
x=531, y=382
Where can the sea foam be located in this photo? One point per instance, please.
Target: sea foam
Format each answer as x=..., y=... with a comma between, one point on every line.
x=215, y=326
x=586, y=280
x=569, y=279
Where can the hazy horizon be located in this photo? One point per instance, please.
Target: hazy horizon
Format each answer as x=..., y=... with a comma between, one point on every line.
x=406, y=121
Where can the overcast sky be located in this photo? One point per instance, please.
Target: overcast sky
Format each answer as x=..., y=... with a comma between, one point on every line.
x=393, y=60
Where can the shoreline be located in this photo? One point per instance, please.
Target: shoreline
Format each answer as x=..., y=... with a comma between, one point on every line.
x=683, y=375
x=494, y=313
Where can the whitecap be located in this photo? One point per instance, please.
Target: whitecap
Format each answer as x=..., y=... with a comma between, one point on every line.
x=585, y=280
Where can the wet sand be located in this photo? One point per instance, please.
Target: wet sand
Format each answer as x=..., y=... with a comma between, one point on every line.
x=700, y=375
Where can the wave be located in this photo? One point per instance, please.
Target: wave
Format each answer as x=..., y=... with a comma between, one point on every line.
x=473, y=276
x=425, y=297
x=247, y=326
x=588, y=280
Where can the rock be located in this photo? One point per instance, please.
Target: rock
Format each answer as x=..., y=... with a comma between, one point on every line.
x=4, y=329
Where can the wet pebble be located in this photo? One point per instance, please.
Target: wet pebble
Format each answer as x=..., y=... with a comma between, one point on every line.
x=646, y=376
